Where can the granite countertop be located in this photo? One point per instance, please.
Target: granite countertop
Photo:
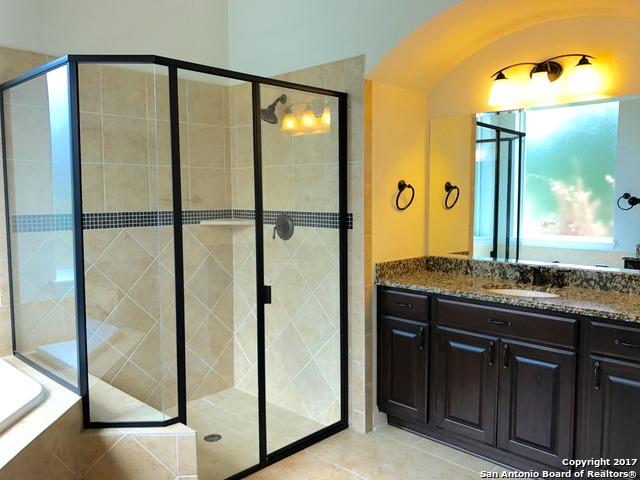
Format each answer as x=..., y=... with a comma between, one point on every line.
x=581, y=301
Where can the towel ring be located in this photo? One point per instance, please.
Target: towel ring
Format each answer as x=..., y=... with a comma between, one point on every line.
x=448, y=187
x=402, y=186
x=632, y=201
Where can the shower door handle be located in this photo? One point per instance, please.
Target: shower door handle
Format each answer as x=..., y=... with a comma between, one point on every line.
x=266, y=294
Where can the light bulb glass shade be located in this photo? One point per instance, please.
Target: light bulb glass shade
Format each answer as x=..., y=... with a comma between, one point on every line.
x=584, y=79
x=325, y=120
x=289, y=123
x=309, y=120
x=540, y=88
x=503, y=93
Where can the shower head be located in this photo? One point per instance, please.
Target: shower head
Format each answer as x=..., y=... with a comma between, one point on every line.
x=268, y=114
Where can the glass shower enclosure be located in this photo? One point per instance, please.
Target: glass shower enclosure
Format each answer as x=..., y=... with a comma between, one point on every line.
x=498, y=187
x=177, y=240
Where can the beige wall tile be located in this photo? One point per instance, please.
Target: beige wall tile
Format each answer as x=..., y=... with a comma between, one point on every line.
x=91, y=138
x=207, y=146
x=134, y=381
x=124, y=261
x=206, y=103
x=240, y=103
x=163, y=448
x=90, y=93
x=243, y=146
x=277, y=188
x=187, y=461
x=208, y=188
x=148, y=354
x=92, y=188
x=126, y=188
x=277, y=147
x=128, y=459
x=124, y=91
x=310, y=187
x=310, y=149
x=104, y=360
x=102, y=296
x=125, y=140
x=17, y=62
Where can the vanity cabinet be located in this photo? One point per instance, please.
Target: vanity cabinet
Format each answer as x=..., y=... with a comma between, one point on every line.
x=403, y=366
x=613, y=394
x=614, y=399
x=466, y=384
x=403, y=355
x=536, y=401
x=499, y=384
x=497, y=381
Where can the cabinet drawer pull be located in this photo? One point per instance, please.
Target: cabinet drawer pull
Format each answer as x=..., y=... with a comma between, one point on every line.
x=421, y=338
x=622, y=343
x=404, y=305
x=503, y=323
x=505, y=355
x=596, y=375
x=492, y=352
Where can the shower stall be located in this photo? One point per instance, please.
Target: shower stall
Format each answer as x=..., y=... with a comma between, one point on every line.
x=177, y=240
x=498, y=187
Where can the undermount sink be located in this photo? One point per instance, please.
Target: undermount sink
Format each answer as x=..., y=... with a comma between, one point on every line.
x=516, y=292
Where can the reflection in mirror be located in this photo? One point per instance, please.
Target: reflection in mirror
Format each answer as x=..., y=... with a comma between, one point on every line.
x=547, y=181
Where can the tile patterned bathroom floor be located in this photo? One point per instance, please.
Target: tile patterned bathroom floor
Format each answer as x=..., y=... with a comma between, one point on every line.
x=387, y=453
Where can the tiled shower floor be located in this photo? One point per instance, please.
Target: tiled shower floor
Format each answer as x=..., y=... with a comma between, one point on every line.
x=234, y=415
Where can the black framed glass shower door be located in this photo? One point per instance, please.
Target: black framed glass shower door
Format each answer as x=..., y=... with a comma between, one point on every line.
x=273, y=338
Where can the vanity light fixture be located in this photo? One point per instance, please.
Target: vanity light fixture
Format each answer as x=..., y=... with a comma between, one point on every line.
x=542, y=77
x=314, y=118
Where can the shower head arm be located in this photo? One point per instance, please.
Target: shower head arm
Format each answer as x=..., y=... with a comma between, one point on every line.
x=282, y=98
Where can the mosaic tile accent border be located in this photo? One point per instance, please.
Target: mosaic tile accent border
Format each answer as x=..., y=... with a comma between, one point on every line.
x=300, y=218
x=94, y=221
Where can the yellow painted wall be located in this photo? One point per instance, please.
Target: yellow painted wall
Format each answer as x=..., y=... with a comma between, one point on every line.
x=398, y=150
x=614, y=41
x=451, y=157
x=609, y=31
x=464, y=91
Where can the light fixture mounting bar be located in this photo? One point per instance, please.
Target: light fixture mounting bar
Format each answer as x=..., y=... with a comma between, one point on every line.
x=548, y=65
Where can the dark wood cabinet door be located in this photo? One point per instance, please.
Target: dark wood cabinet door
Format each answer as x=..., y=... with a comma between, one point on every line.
x=614, y=403
x=466, y=384
x=536, y=405
x=403, y=368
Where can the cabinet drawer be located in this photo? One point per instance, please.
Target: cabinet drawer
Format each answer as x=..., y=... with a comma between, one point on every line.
x=509, y=323
x=615, y=340
x=404, y=304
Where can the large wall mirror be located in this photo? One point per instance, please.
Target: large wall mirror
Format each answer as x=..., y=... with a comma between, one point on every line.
x=545, y=184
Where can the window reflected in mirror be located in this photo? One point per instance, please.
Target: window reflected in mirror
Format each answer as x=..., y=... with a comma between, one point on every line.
x=547, y=180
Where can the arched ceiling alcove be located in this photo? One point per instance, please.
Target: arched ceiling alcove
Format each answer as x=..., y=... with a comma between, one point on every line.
x=423, y=58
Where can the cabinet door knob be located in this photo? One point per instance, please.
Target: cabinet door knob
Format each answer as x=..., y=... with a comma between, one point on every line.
x=492, y=352
x=404, y=305
x=596, y=375
x=505, y=355
x=421, y=338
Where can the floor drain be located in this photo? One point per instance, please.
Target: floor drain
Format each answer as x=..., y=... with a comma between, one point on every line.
x=214, y=437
